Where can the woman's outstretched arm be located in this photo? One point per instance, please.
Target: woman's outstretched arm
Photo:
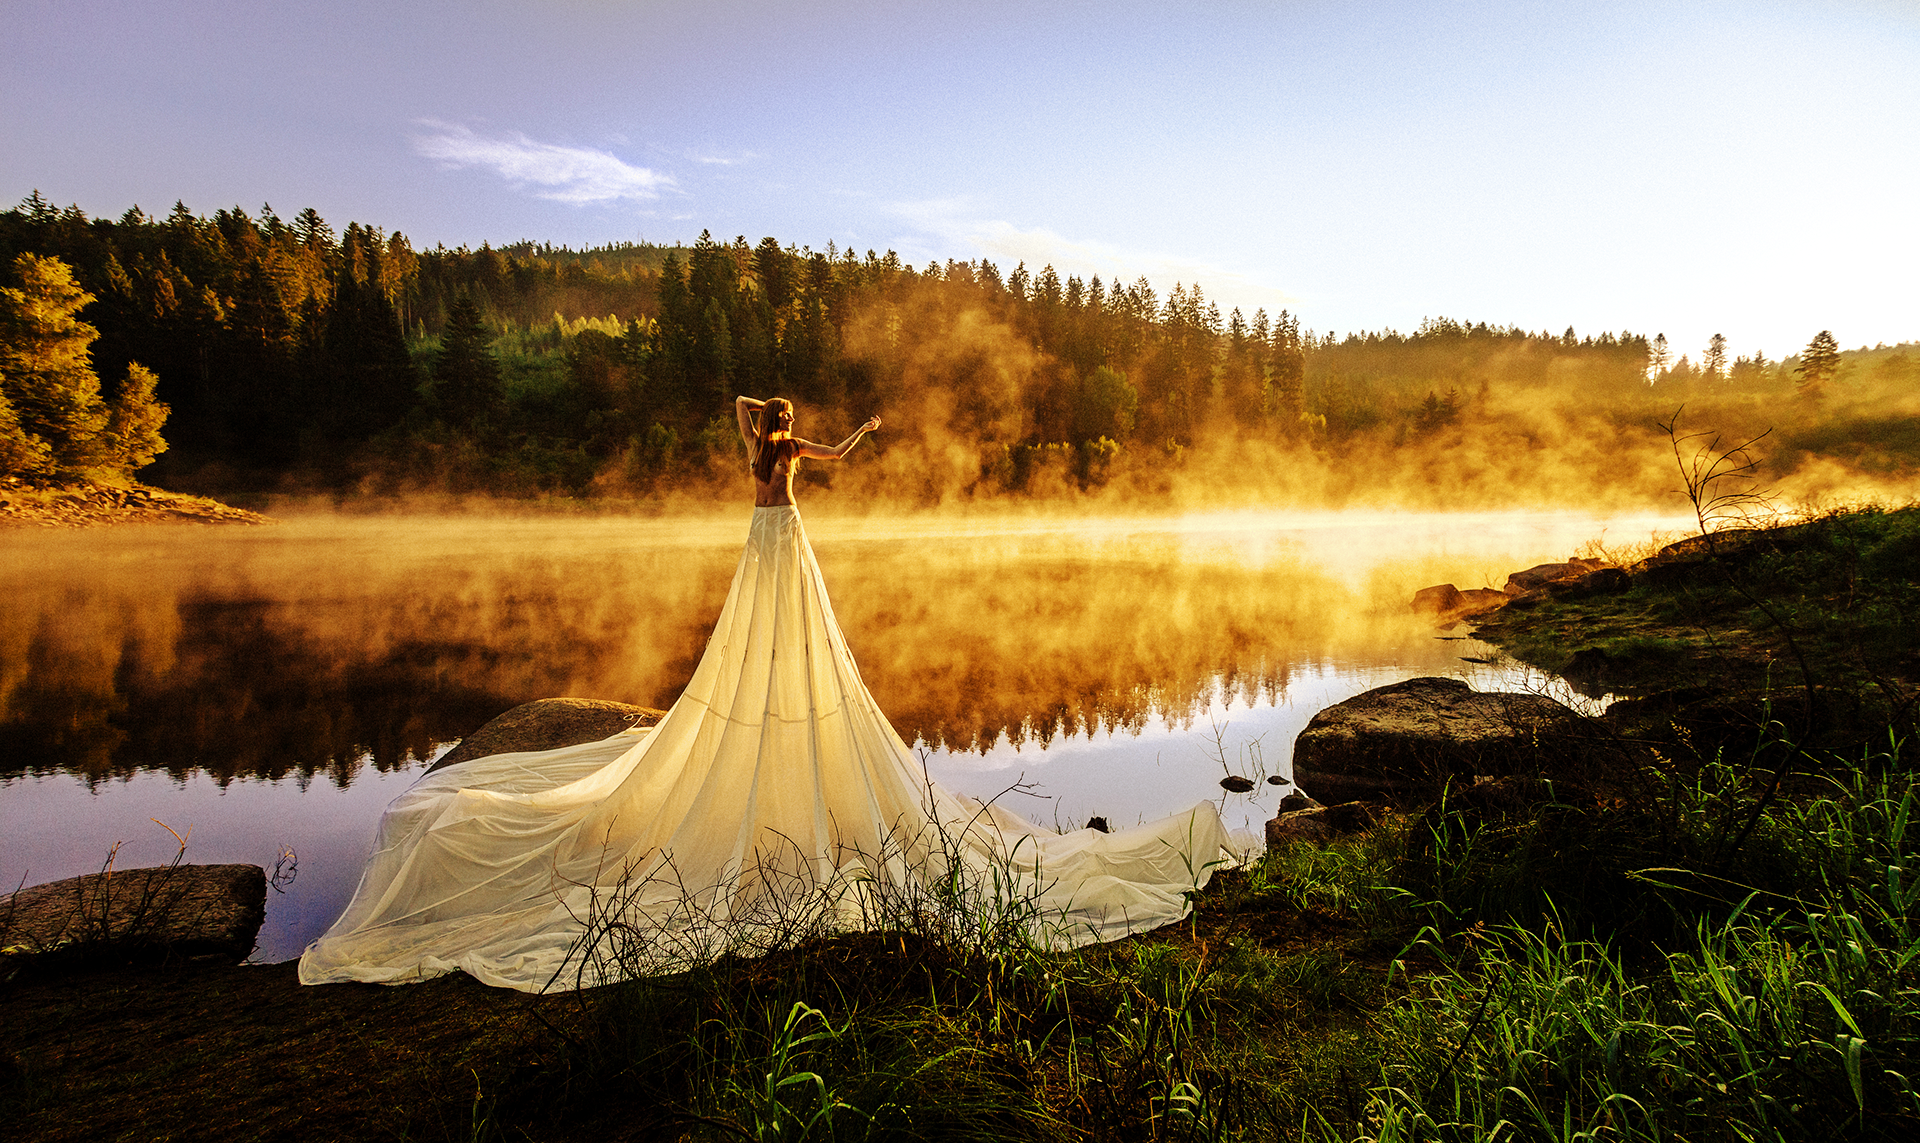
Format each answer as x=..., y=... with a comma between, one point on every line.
x=835, y=452
x=743, y=409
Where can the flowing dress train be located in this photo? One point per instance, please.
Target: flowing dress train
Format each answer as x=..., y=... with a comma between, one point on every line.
x=773, y=801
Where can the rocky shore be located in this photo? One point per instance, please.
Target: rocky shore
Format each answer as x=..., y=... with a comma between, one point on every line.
x=84, y=505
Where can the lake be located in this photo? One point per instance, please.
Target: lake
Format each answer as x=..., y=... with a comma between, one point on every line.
x=274, y=687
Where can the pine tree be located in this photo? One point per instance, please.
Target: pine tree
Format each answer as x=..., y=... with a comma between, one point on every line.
x=54, y=411
x=1658, y=357
x=1285, y=397
x=134, y=417
x=1713, y=362
x=365, y=379
x=466, y=377
x=1106, y=405
x=20, y=451
x=1818, y=363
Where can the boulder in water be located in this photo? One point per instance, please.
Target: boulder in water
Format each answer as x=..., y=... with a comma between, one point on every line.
x=1441, y=599
x=197, y=911
x=548, y=724
x=1406, y=741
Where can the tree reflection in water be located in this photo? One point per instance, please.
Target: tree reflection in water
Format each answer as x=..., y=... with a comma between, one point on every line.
x=316, y=647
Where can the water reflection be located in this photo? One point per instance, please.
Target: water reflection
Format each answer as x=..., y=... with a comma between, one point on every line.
x=318, y=646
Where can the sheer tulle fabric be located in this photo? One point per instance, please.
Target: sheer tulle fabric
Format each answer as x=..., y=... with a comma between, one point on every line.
x=773, y=798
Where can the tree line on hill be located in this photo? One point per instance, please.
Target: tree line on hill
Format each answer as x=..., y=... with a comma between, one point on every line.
x=282, y=354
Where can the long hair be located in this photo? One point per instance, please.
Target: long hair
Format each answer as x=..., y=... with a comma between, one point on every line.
x=767, y=452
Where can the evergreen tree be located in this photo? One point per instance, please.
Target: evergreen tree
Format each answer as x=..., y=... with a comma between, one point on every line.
x=466, y=377
x=1285, y=397
x=1818, y=363
x=52, y=395
x=52, y=417
x=1657, y=357
x=1105, y=407
x=134, y=417
x=365, y=379
x=1713, y=362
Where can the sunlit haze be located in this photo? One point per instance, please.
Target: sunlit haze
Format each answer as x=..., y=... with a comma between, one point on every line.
x=1746, y=168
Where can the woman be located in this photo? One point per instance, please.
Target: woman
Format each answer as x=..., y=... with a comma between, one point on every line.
x=771, y=445
x=772, y=802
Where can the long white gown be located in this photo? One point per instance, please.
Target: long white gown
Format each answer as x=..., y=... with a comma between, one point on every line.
x=773, y=802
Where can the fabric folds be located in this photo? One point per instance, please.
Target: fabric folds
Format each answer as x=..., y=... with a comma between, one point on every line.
x=773, y=801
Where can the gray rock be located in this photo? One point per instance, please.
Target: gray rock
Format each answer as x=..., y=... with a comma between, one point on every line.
x=548, y=724
x=1406, y=741
x=172, y=910
x=1448, y=604
x=1297, y=827
x=1321, y=823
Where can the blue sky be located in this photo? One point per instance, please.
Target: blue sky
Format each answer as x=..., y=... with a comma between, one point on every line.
x=1749, y=168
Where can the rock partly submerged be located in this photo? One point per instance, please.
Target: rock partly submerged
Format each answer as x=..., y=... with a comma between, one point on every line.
x=1407, y=741
x=1569, y=579
x=548, y=724
x=164, y=912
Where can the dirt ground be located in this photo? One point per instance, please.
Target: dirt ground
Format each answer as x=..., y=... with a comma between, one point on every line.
x=245, y=1052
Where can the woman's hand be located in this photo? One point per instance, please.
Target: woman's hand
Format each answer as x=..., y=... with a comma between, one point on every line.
x=822, y=452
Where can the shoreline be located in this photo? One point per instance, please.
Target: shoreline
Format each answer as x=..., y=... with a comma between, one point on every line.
x=86, y=504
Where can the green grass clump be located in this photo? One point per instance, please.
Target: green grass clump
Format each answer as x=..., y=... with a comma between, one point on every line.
x=1793, y=1017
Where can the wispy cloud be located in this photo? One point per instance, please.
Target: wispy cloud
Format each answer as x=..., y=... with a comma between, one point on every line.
x=563, y=174
x=949, y=221
x=723, y=159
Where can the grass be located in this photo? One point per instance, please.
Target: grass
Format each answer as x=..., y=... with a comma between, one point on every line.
x=1793, y=1017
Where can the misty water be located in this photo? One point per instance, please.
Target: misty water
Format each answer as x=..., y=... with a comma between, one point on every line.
x=274, y=687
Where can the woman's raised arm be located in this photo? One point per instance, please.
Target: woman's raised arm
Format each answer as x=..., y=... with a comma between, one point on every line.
x=743, y=409
x=823, y=452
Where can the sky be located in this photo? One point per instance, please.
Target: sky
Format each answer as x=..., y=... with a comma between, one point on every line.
x=1687, y=167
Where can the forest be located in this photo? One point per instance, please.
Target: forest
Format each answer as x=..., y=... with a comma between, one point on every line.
x=284, y=357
